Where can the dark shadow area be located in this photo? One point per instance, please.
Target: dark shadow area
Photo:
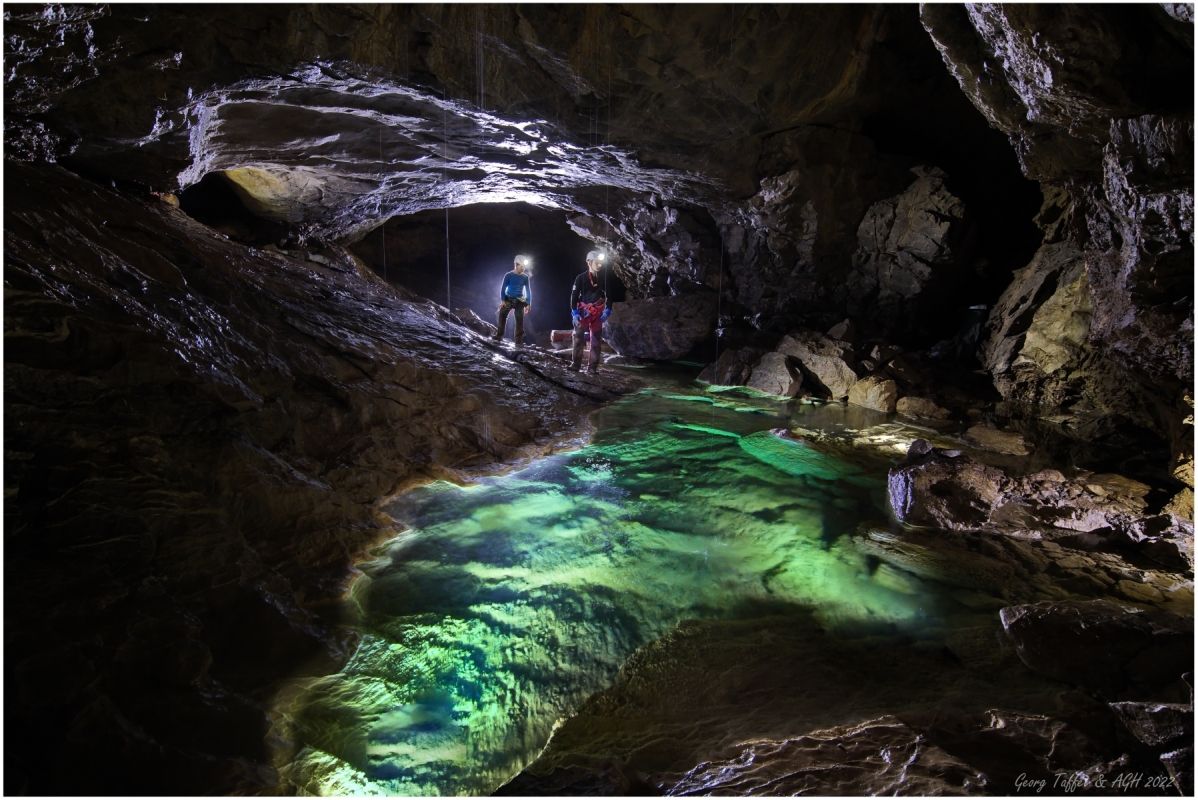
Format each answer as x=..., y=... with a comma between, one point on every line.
x=214, y=202
x=936, y=124
x=483, y=240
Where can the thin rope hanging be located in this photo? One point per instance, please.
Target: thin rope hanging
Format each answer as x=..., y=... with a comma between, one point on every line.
x=444, y=161
x=607, y=142
x=719, y=303
x=383, y=227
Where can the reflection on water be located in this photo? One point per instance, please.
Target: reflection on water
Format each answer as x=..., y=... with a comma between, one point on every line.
x=507, y=603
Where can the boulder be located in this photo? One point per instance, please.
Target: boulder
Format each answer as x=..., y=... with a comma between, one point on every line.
x=908, y=256
x=876, y=392
x=1104, y=646
x=844, y=331
x=774, y=375
x=732, y=368
x=942, y=492
x=943, y=489
x=827, y=362
x=921, y=408
x=661, y=328
x=1156, y=724
x=474, y=322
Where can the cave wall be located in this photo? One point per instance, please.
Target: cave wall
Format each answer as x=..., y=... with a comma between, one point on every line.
x=197, y=436
x=1097, y=102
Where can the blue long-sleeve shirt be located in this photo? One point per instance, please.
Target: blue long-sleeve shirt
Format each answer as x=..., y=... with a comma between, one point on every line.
x=516, y=287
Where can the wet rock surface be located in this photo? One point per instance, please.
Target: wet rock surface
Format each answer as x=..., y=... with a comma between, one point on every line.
x=1116, y=650
x=235, y=416
x=949, y=490
x=767, y=724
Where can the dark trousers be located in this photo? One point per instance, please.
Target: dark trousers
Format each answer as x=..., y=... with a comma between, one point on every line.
x=595, y=326
x=504, y=308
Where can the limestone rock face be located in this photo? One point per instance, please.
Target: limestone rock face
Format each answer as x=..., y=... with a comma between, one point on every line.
x=801, y=740
x=876, y=757
x=1105, y=310
x=661, y=328
x=876, y=392
x=826, y=360
x=908, y=260
x=1157, y=724
x=1144, y=224
x=803, y=218
x=1037, y=75
x=1057, y=329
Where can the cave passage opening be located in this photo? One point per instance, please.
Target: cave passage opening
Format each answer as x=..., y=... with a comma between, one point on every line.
x=483, y=238
x=214, y=201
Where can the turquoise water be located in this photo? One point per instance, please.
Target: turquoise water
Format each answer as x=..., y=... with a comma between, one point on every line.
x=505, y=604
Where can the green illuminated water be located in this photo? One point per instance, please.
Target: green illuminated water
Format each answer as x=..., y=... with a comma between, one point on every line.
x=507, y=603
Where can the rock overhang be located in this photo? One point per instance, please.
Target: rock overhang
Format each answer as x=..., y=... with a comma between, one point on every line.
x=335, y=150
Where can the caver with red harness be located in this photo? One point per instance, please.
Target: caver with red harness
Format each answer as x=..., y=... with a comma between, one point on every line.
x=588, y=309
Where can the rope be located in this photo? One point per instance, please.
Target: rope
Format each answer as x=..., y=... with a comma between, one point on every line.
x=383, y=227
x=719, y=303
x=444, y=160
x=607, y=142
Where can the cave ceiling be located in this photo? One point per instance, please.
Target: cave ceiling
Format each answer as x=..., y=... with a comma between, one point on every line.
x=334, y=118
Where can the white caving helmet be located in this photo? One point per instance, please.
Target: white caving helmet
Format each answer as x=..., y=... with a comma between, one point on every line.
x=523, y=260
x=596, y=255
